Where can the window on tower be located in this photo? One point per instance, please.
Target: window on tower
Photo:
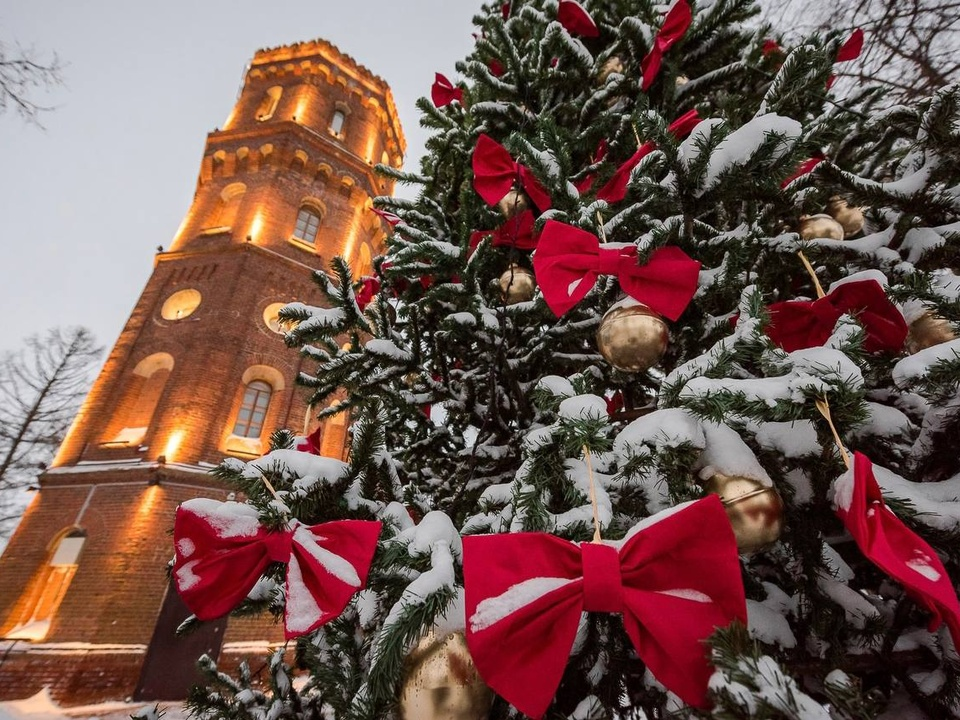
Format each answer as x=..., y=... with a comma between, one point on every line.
x=268, y=105
x=248, y=421
x=308, y=223
x=336, y=123
x=46, y=591
x=253, y=409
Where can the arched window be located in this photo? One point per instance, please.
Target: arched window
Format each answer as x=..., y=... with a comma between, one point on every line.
x=253, y=409
x=46, y=591
x=268, y=105
x=225, y=213
x=140, y=400
x=308, y=223
x=337, y=122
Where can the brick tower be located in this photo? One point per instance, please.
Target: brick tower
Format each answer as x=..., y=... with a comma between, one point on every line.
x=198, y=373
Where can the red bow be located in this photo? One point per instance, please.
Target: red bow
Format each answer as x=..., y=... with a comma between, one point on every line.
x=893, y=547
x=771, y=47
x=311, y=443
x=674, y=26
x=391, y=218
x=369, y=287
x=851, y=49
x=495, y=173
x=222, y=551
x=576, y=20
x=568, y=262
x=443, y=92
x=586, y=182
x=675, y=581
x=615, y=188
x=801, y=324
x=803, y=168
x=495, y=67
x=517, y=232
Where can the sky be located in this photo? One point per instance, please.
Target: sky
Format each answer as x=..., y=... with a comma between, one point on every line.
x=85, y=202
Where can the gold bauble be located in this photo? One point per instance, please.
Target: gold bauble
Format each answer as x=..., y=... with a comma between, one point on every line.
x=813, y=227
x=632, y=338
x=755, y=510
x=929, y=330
x=850, y=218
x=441, y=682
x=682, y=80
x=610, y=66
x=517, y=285
x=513, y=203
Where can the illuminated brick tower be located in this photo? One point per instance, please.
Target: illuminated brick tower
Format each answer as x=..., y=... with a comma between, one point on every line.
x=198, y=373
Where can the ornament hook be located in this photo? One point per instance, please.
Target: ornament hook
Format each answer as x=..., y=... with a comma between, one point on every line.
x=593, y=496
x=824, y=407
x=813, y=274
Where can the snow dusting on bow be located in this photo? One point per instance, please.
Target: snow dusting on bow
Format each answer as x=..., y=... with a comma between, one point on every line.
x=494, y=609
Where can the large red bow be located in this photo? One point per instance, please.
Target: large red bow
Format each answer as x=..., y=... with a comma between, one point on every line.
x=576, y=20
x=675, y=581
x=615, y=188
x=803, y=168
x=569, y=260
x=222, y=551
x=801, y=324
x=893, y=547
x=517, y=232
x=674, y=26
x=495, y=173
x=443, y=91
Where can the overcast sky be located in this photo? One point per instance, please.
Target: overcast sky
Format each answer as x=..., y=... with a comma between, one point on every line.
x=85, y=202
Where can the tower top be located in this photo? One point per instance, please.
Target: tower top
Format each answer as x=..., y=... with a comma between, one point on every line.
x=319, y=56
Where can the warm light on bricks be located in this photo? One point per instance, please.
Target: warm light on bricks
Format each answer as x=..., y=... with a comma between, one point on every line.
x=173, y=444
x=256, y=227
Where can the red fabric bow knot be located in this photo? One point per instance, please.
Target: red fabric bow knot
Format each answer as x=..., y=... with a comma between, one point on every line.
x=369, y=287
x=517, y=232
x=895, y=548
x=615, y=188
x=569, y=260
x=674, y=27
x=799, y=324
x=675, y=581
x=495, y=173
x=576, y=20
x=222, y=551
x=443, y=91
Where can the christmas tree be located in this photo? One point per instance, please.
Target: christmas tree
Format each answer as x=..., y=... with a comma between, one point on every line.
x=652, y=398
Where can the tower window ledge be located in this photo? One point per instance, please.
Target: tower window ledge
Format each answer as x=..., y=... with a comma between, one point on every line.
x=239, y=445
x=126, y=437
x=302, y=244
x=33, y=631
x=216, y=230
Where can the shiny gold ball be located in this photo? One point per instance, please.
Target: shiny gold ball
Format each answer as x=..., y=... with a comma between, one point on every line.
x=682, y=80
x=813, y=227
x=755, y=510
x=441, y=682
x=513, y=203
x=632, y=338
x=610, y=66
x=929, y=330
x=851, y=218
x=517, y=285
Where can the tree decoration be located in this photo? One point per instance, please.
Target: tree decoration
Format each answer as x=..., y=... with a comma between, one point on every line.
x=517, y=232
x=755, y=509
x=443, y=92
x=576, y=20
x=392, y=218
x=928, y=330
x=441, y=682
x=803, y=168
x=311, y=443
x=798, y=324
x=815, y=227
x=850, y=50
x=517, y=285
x=369, y=287
x=631, y=337
x=222, y=551
x=569, y=260
x=615, y=189
x=525, y=593
x=611, y=65
x=675, y=24
x=850, y=218
x=495, y=174
x=513, y=203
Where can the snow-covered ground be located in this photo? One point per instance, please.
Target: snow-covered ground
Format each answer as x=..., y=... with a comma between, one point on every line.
x=42, y=707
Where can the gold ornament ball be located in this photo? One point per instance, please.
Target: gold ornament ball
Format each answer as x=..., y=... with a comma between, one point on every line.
x=682, y=80
x=610, y=66
x=850, y=218
x=513, y=203
x=441, y=682
x=928, y=330
x=632, y=338
x=755, y=510
x=517, y=285
x=813, y=227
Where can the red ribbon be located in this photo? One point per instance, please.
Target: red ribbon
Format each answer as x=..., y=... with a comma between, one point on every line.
x=576, y=20
x=569, y=260
x=674, y=26
x=801, y=324
x=803, y=168
x=896, y=549
x=222, y=551
x=771, y=47
x=495, y=173
x=369, y=287
x=615, y=188
x=496, y=68
x=675, y=581
x=586, y=182
x=443, y=91
x=311, y=443
x=391, y=218
x=851, y=49
x=517, y=232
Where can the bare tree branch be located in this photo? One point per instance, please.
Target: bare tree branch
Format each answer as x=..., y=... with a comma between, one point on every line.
x=21, y=73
